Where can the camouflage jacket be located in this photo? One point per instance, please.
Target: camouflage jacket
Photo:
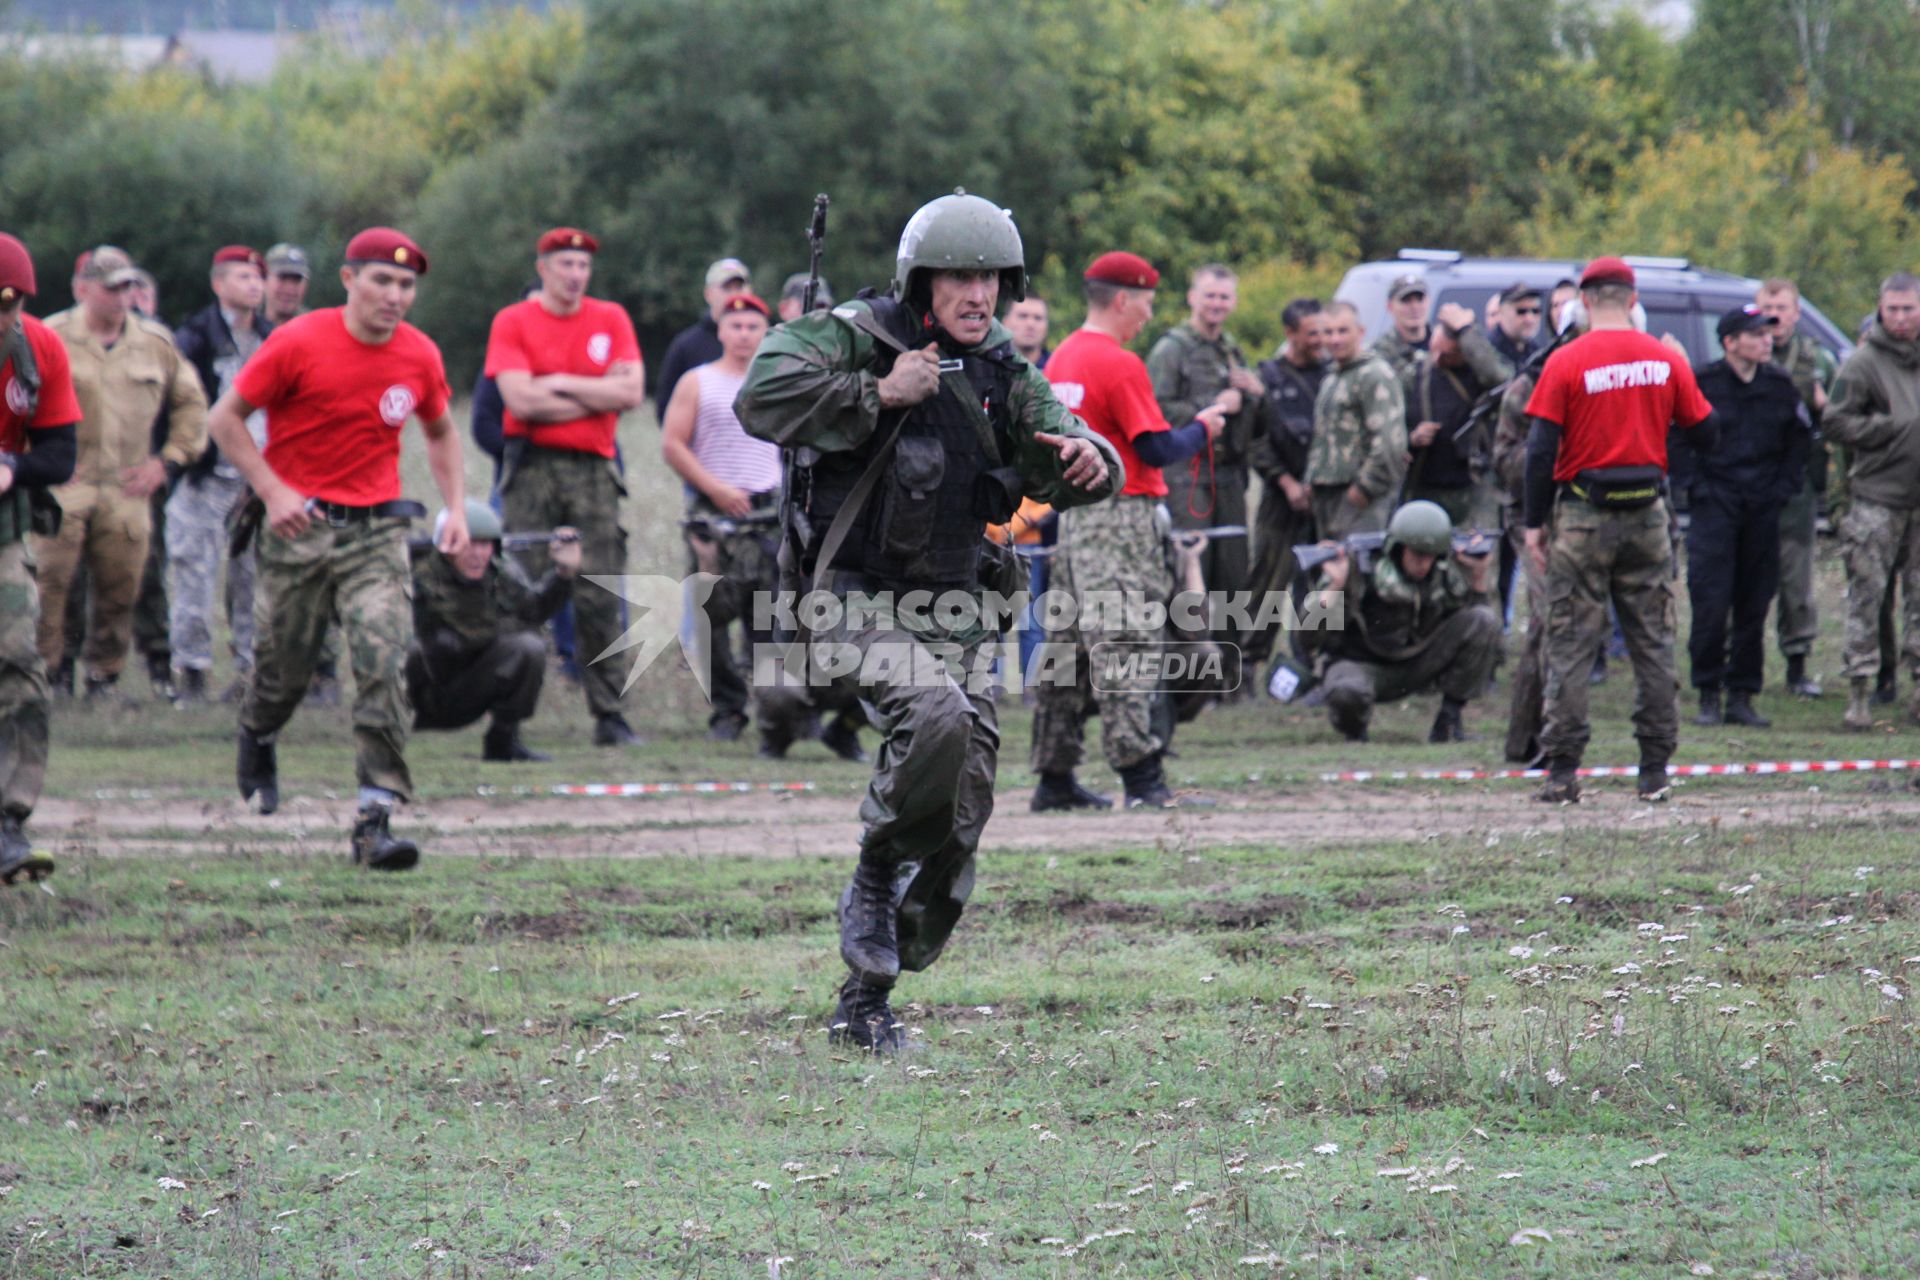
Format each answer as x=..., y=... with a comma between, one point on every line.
x=455, y=619
x=1809, y=365
x=1188, y=371
x=1510, y=437
x=1398, y=352
x=1875, y=412
x=1390, y=617
x=1359, y=428
x=813, y=383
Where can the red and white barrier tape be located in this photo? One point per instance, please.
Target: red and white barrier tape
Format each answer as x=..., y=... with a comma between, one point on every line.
x=631, y=789
x=1623, y=771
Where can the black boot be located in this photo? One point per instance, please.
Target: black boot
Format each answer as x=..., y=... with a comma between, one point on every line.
x=104, y=691
x=1709, y=713
x=1058, y=791
x=1446, y=722
x=1798, y=682
x=867, y=937
x=1146, y=785
x=1740, y=711
x=1563, y=782
x=612, y=730
x=62, y=679
x=864, y=1019
x=726, y=728
x=1652, y=786
x=1886, y=690
x=844, y=742
x=160, y=674
x=17, y=856
x=191, y=689
x=502, y=744
x=377, y=848
x=1349, y=712
x=257, y=769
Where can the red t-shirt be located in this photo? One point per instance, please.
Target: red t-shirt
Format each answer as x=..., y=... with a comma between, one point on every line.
x=335, y=404
x=1108, y=387
x=58, y=405
x=1614, y=393
x=528, y=338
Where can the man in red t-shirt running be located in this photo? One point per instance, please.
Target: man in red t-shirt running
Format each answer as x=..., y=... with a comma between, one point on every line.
x=1596, y=470
x=1112, y=551
x=568, y=366
x=338, y=385
x=38, y=412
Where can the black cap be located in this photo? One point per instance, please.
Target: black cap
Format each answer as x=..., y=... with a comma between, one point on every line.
x=1516, y=291
x=1745, y=318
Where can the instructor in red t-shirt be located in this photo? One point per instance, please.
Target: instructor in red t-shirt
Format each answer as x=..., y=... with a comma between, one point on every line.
x=1597, y=521
x=568, y=366
x=338, y=385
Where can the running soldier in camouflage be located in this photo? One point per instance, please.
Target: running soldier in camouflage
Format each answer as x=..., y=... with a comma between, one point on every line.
x=1811, y=366
x=1359, y=452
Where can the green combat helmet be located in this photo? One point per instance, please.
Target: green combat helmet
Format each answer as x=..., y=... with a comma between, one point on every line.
x=1421, y=526
x=483, y=523
x=960, y=233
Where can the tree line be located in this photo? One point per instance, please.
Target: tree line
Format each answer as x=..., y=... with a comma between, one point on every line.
x=1289, y=138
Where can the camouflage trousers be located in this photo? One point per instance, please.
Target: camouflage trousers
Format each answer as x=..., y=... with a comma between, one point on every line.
x=1226, y=563
x=1278, y=527
x=929, y=693
x=1873, y=540
x=1334, y=517
x=107, y=530
x=1115, y=549
x=1796, y=620
x=150, y=612
x=1456, y=660
x=742, y=557
x=1625, y=557
x=359, y=572
x=1525, y=709
x=552, y=487
x=23, y=683
x=196, y=531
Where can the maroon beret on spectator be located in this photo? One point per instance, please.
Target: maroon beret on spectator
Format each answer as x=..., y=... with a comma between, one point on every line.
x=745, y=302
x=241, y=253
x=16, y=271
x=561, y=239
x=384, y=244
x=1606, y=271
x=1128, y=270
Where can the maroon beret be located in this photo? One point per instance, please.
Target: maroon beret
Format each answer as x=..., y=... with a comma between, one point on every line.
x=241, y=253
x=16, y=271
x=1607, y=270
x=1128, y=270
x=384, y=244
x=744, y=301
x=563, y=238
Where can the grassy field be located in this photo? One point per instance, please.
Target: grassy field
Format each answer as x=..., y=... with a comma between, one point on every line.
x=1387, y=1031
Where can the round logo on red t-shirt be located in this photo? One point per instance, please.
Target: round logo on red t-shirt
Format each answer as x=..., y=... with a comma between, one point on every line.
x=396, y=404
x=18, y=402
x=599, y=347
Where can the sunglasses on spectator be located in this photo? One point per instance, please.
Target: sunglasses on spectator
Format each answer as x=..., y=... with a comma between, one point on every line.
x=1526, y=311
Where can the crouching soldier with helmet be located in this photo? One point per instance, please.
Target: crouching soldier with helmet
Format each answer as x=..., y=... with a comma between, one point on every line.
x=1421, y=617
x=477, y=647
x=912, y=424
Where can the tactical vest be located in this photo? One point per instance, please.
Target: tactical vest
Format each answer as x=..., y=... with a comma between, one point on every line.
x=924, y=521
x=16, y=506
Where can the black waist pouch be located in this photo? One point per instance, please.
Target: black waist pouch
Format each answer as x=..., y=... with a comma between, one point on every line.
x=1618, y=488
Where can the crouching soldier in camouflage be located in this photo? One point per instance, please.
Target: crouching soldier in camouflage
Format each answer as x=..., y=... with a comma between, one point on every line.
x=476, y=625
x=1422, y=618
x=915, y=424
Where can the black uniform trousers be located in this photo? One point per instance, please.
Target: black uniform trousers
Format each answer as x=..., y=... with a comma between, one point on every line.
x=503, y=679
x=1733, y=571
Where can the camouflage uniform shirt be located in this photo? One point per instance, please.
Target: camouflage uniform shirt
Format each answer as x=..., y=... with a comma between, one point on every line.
x=1188, y=371
x=455, y=619
x=1359, y=428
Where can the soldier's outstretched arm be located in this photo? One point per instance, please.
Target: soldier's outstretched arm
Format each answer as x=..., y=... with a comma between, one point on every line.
x=811, y=384
x=1041, y=466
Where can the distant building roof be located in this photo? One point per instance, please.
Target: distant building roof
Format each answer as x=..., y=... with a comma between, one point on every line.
x=248, y=56
x=132, y=53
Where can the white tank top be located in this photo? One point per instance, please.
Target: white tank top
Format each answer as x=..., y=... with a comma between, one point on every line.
x=723, y=448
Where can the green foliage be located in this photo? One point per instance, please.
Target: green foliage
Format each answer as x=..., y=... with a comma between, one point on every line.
x=1777, y=198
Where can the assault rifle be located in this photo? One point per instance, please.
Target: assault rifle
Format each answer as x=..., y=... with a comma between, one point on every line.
x=1363, y=547
x=508, y=542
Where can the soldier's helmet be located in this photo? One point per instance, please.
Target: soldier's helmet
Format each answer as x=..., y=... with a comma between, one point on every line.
x=959, y=233
x=483, y=523
x=1421, y=526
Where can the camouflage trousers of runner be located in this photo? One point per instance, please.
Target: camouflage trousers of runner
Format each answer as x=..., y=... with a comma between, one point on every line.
x=930, y=694
x=1624, y=557
x=196, y=531
x=359, y=572
x=1873, y=540
x=1112, y=561
x=553, y=487
x=24, y=694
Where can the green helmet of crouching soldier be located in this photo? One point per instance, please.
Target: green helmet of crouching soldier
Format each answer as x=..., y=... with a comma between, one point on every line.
x=959, y=233
x=1421, y=526
x=483, y=523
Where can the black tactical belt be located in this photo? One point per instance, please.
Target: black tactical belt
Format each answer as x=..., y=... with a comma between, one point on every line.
x=339, y=515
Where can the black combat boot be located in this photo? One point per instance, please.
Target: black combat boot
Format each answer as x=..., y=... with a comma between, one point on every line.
x=1798, y=681
x=17, y=856
x=1349, y=713
x=612, y=730
x=1145, y=784
x=1651, y=785
x=864, y=1020
x=1060, y=791
x=257, y=768
x=160, y=674
x=104, y=691
x=867, y=938
x=502, y=744
x=62, y=679
x=191, y=688
x=377, y=848
x=1709, y=713
x=1740, y=711
x=1886, y=690
x=726, y=728
x=1563, y=782
x=1446, y=722
x=844, y=742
